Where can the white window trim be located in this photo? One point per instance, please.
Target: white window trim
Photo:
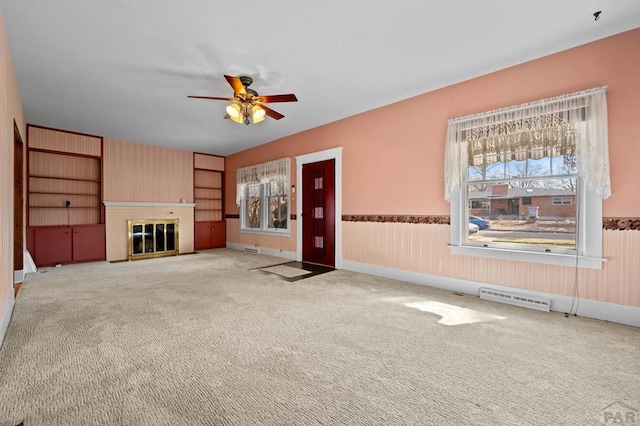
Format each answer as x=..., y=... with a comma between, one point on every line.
x=593, y=184
x=264, y=216
x=263, y=174
x=588, y=236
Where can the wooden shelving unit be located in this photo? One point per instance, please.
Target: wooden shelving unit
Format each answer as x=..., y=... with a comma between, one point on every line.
x=65, y=219
x=60, y=181
x=208, y=195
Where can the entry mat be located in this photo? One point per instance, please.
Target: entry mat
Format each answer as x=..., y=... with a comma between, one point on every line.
x=294, y=271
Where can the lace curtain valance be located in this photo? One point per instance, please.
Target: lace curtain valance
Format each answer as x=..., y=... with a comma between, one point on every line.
x=570, y=125
x=272, y=171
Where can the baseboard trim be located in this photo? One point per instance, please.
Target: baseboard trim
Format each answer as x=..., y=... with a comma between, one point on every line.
x=29, y=264
x=264, y=250
x=6, y=316
x=18, y=276
x=622, y=314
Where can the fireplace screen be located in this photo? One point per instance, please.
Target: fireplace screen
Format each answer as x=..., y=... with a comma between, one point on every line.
x=152, y=238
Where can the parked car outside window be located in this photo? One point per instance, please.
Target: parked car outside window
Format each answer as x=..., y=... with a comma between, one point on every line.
x=473, y=228
x=480, y=222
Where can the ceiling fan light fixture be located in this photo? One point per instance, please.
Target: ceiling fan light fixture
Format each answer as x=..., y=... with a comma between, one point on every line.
x=258, y=114
x=233, y=110
x=247, y=106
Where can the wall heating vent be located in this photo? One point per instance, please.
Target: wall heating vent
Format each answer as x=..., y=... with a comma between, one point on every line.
x=525, y=300
x=252, y=250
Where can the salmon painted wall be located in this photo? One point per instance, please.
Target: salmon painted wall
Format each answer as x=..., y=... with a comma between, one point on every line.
x=393, y=165
x=10, y=110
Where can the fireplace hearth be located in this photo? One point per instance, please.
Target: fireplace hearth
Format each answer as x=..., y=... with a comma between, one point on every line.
x=148, y=238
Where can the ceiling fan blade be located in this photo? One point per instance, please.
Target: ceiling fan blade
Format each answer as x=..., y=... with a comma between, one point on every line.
x=278, y=98
x=212, y=97
x=271, y=113
x=236, y=84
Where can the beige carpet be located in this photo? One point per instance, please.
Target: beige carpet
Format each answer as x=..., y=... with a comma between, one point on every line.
x=286, y=271
x=201, y=340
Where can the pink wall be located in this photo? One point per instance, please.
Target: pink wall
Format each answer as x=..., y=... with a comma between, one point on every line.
x=398, y=150
x=139, y=172
x=393, y=165
x=10, y=110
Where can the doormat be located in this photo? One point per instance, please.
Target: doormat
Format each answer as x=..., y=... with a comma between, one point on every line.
x=285, y=271
x=294, y=271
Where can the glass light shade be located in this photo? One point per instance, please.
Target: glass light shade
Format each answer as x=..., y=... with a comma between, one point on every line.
x=258, y=114
x=233, y=110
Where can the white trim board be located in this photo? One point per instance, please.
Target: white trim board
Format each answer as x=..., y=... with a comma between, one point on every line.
x=622, y=314
x=145, y=204
x=314, y=157
x=6, y=318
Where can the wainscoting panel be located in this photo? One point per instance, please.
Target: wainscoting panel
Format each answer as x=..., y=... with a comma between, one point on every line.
x=282, y=243
x=423, y=248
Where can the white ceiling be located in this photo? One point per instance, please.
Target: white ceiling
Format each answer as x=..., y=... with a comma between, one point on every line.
x=123, y=68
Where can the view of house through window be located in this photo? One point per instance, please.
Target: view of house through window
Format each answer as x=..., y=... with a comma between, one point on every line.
x=523, y=197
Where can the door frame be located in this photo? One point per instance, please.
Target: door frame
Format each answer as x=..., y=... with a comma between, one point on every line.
x=314, y=157
x=18, y=205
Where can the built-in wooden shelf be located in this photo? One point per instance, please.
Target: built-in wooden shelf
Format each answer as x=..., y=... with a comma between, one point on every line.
x=64, y=193
x=64, y=178
x=64, y=207
x=208, y=196
x=56, y=178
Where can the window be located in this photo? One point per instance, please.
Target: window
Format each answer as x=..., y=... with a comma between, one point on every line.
x=528, y=161
x=262, y=195
x=479, y=204
x=561, y=201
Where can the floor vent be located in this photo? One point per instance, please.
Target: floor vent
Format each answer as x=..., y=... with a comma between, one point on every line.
x=252, y=250
x=525, y=300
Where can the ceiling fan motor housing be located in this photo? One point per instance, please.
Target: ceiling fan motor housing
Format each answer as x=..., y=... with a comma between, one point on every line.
x=246, y=80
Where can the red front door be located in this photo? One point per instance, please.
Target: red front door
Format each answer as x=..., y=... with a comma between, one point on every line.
x=318, y=213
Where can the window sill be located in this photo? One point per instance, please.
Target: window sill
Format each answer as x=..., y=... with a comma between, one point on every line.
x=561, y=259
x=276, y=233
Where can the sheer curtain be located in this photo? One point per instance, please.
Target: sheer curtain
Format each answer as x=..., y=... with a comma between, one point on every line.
x=572, y=124
x=271, y=171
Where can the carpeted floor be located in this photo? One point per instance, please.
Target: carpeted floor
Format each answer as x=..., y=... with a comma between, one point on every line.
x=204, y=340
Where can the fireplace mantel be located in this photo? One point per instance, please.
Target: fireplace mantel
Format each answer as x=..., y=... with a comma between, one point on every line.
x=145, y=204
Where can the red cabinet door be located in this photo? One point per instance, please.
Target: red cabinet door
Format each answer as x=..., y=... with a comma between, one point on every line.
x=89, y=243
x=202, y=235
x=218, y=234
x=52, y=246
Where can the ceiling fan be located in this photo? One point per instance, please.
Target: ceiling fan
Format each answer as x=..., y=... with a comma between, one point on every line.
x=246, y=105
